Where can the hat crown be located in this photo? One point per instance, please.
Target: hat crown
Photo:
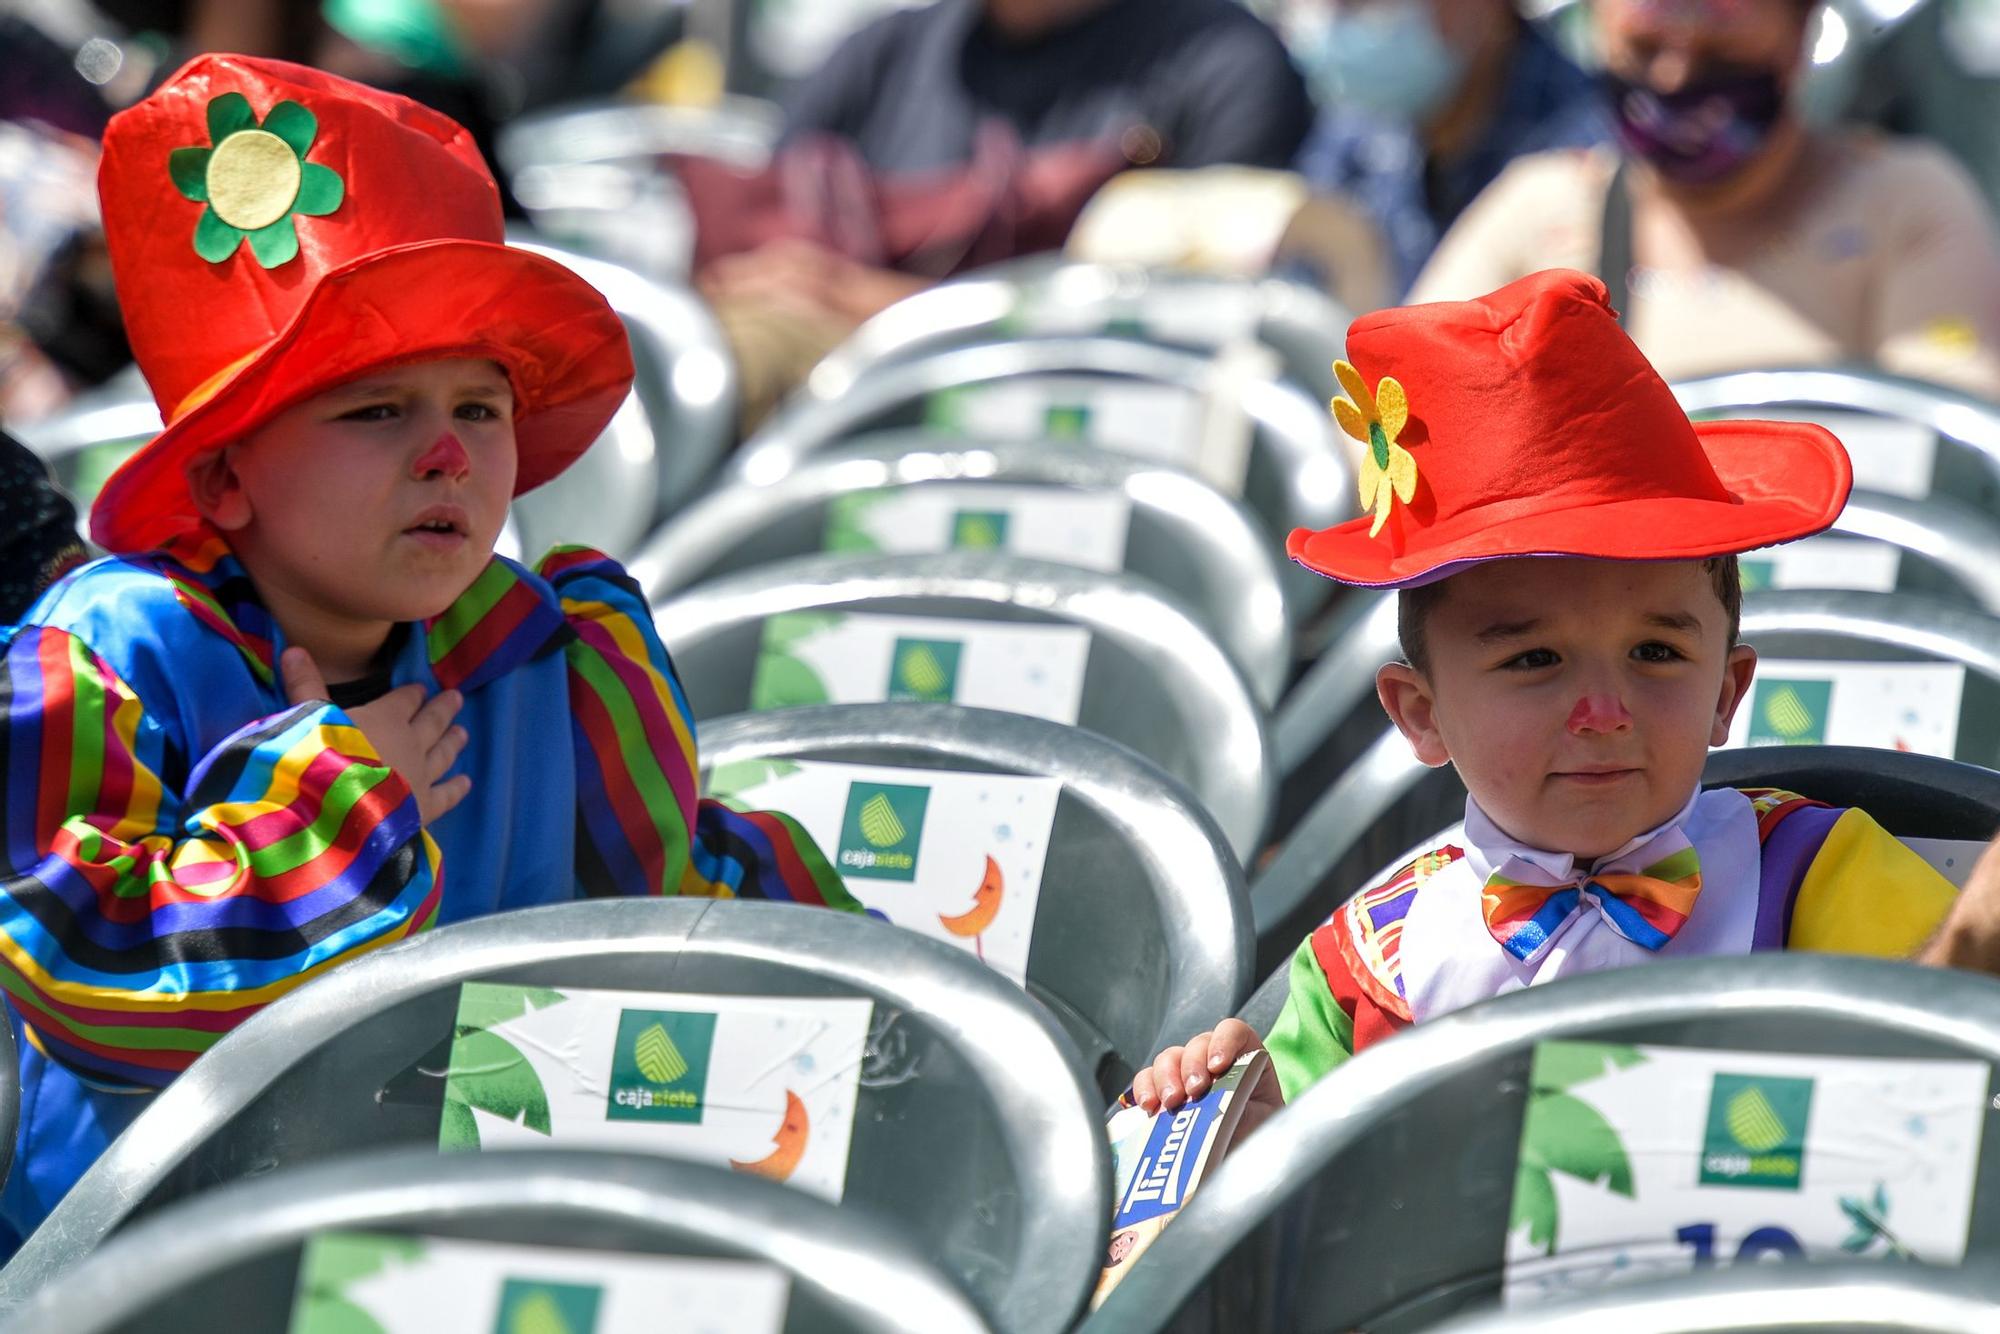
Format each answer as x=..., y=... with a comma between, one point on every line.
x=240, y=183
x=1530, y=399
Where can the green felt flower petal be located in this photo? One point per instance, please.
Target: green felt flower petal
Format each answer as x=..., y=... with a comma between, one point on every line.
x=275, y=244
x=214, y=239
x=294, y=124
x=320, y=190
x=227, y=114
x=189, y=168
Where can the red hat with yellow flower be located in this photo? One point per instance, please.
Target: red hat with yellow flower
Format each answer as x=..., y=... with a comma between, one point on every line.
x=276, y=231
x=1527, y=424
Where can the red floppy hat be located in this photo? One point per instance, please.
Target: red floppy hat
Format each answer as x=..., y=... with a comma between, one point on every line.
x=276, y=231
x=1527, y=424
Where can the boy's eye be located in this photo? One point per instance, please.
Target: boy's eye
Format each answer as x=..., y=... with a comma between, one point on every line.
x=373, y=412
x=1654, y=651
x=479, y=412
x=1533, y=660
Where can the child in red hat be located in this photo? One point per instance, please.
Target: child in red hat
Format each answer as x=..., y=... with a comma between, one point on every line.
x=357, y=376
x=1564, y=541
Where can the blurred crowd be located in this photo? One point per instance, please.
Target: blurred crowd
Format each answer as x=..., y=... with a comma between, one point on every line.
x=1759, y=182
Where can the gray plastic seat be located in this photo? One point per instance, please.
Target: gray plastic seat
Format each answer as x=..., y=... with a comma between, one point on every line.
x=669, y=435
x=976, y=1134
x=1766, y=1299
x=233, y=1254
x=1156, y=681
x=1042, y=295
x=1143, y=926
x=1380, y=1198
x=1184, y=536
x=1299, y=474
x=1967, y=428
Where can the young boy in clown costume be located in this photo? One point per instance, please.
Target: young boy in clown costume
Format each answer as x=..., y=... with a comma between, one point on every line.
x=303, y=711
x=1564, y=541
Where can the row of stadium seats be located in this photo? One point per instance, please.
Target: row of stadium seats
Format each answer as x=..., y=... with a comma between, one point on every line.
x=1220, y=689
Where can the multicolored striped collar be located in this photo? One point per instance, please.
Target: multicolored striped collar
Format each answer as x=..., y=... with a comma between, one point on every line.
x=509, y=616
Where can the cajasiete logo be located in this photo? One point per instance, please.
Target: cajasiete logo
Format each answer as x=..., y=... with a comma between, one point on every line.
x=1756, y=1132
x=979, y=530
x=1790, y=713
x=925, y=670
x=882, y=830
x=529, y=1306
x=659, y=1066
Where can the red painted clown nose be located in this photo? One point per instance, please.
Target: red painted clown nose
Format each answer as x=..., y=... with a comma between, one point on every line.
x=1599, y=713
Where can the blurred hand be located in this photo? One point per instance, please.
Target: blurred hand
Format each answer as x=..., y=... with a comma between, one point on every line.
x=413, y=734
x=1180, y=1073
x=799, y=274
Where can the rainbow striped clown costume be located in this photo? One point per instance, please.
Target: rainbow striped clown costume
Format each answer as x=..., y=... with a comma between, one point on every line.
x=182, y=846
x=1479, y=915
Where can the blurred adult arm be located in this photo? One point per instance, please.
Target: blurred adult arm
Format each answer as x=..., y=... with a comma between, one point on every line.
x=1539, y=213
x=1936, y=296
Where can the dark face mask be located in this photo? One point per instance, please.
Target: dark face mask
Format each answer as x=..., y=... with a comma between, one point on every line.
x=1704, y=133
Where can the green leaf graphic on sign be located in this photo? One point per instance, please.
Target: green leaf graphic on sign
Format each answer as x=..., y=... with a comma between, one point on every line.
x=879, y=824
x=334, y=1262
x=1753, y=1122
x=847, y=522
x=1562, y=1133
x=922, y=672
x=791, y=627
x=490, y=1004
x=657, y=1057
x=489, y=1072
x=784, y=682
x=740, y=776
x=538, y=1315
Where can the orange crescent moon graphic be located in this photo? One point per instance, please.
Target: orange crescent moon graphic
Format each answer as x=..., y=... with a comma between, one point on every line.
x=790, y=1142
x=985, y=905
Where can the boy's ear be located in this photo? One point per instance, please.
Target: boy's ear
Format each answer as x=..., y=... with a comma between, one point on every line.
x=1406, y=697
x=218, y=492
x=1737, y=673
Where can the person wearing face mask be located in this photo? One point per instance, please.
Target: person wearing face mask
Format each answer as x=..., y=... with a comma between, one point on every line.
x=1732, y=234
x=1424, y=102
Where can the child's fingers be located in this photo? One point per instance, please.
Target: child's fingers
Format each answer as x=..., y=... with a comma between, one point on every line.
x=1232, y=1038
x=445, y=796
x=446, y=752
x=1145, y=1093
x=302, y=678
x=433, y=719
x=1167, y=1077
x=1194, y=1065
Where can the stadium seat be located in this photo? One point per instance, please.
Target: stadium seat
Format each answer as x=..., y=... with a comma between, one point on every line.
x=1182, y=535
x=1297, y=474
x=1368, y=823
x=233, y=1255
x=1381, y=1198
x=976, y=1135
x=1042, y=296
x=1143, y=925
x=671, y=433
x=1155, y=680
x=1820, y=1299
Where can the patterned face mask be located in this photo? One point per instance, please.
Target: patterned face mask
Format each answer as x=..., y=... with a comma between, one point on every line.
x=1703, y=133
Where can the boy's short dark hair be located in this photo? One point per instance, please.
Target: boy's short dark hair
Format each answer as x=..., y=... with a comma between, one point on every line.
x=1414, y=606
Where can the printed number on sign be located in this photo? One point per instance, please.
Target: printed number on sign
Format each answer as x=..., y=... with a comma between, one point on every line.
x=1763, y=1242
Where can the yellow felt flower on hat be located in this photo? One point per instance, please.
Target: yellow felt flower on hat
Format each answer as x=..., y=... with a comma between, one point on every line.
x=254, y=178
x=1388, y=473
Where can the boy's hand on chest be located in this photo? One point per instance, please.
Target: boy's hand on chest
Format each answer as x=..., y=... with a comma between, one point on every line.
x=413, y=732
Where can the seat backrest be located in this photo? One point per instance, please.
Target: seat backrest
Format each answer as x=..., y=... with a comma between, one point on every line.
x=1181, y=534
x=976, y=1131
x=1154, y=680
x=1820, y=1299
x=234, y=1253
x=1801, y=634
x=1142, y=933
x=1381, y=1197
x=1298, y=473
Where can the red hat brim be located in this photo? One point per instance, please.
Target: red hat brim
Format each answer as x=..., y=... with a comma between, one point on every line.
x=1788, y=480
x=564, y=349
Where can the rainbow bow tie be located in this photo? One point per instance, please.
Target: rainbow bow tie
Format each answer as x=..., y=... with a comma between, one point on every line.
x=1525, y=907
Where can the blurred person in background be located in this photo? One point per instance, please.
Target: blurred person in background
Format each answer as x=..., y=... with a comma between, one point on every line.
x=966, y=132
x=38, y=541
x=1424, y=102
x=1732, y=234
